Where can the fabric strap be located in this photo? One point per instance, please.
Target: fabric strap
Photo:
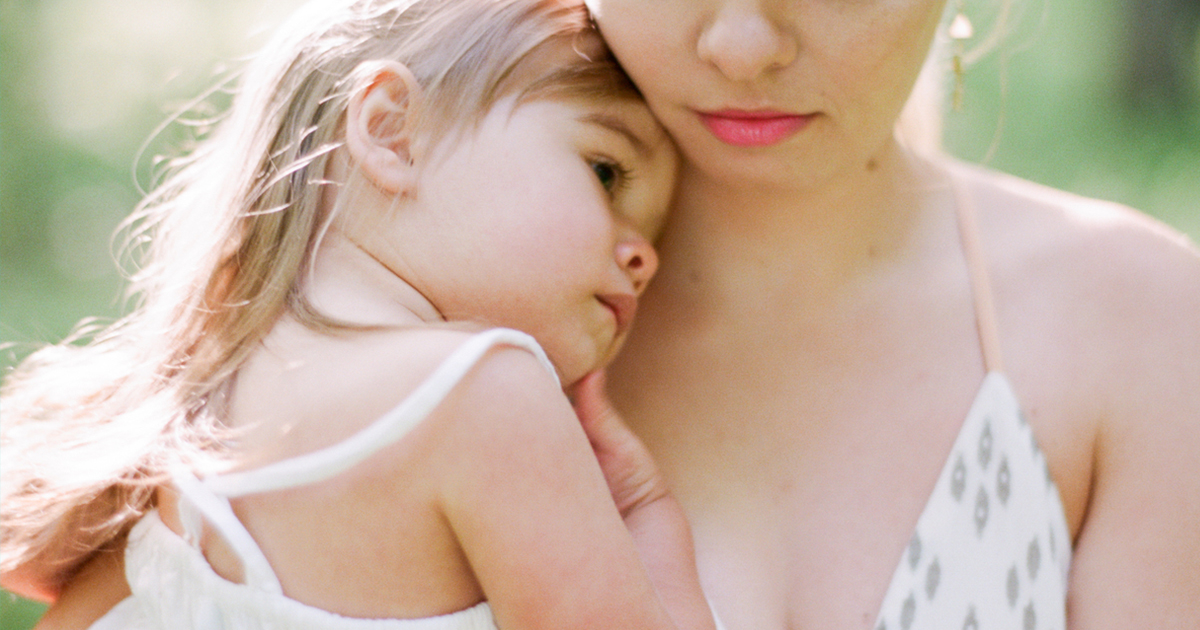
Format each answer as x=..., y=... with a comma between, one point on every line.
x=329, y=462
x=981, y=287
x=198, y=505
x=208, y=499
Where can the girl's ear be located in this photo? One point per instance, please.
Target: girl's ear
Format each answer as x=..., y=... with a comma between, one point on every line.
x=380, y=120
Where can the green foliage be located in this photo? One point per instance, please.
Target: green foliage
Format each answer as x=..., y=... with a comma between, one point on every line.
x=17, y=613
x=1062, y=102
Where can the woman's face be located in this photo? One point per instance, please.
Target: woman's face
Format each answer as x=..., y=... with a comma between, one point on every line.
x=784, y=92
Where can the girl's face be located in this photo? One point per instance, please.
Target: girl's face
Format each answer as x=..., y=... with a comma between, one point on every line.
x=773, y=91
x=542, y=221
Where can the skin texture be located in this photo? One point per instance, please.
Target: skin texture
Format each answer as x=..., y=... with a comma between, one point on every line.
x=534, y=220
x=495, y=228
x=444, y=234
x=806, y=357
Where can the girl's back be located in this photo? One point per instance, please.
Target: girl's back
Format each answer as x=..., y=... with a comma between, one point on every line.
x=382, y=539
x=377, y=527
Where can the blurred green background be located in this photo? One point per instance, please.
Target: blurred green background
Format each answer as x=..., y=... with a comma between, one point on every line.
x=1099, y=97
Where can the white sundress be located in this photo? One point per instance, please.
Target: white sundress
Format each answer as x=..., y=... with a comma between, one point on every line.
x=173, y=586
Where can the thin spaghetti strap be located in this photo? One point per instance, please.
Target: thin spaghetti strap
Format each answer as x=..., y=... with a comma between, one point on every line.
x=981, y=287
x=332, y=460
x=198, y=504
x=208, y=500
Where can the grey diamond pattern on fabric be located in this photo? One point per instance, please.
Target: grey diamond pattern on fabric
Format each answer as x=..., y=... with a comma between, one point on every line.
x=986, y=553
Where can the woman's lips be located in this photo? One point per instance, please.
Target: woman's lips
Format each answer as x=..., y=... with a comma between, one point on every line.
x=753, y=128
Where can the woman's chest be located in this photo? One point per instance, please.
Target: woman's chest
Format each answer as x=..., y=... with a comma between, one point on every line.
x=802, y=537
x=786, y=562
x=806, y=499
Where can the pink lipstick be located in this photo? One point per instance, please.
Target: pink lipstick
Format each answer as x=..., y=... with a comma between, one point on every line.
x=753, y=128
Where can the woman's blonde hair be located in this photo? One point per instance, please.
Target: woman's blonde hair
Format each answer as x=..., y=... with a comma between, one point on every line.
x=920, y=124
x=90, y=426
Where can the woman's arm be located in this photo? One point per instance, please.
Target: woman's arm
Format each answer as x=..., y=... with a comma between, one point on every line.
x=1137, y=556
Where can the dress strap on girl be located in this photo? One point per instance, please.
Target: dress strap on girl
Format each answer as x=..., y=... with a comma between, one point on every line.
x=198, y=505
x=981, y=287
x=207, y=500
x=395, y=424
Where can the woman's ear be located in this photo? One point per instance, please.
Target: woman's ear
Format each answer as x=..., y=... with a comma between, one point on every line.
x=380, y=120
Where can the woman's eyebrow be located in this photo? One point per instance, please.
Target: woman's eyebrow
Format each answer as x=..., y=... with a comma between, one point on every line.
x=615, y=123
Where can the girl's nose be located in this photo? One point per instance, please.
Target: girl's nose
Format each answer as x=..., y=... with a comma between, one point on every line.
x=743, y=42
x=638, y=259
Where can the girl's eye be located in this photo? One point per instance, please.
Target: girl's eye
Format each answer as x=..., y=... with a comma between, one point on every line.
x=608, y=173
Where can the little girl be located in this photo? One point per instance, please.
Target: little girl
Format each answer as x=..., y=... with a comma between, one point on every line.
x=320, y=415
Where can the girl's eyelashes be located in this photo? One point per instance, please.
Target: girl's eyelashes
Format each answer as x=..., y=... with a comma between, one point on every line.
x=611, y=175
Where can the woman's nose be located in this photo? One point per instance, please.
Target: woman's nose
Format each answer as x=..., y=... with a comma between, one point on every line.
x=743, y=42
x=638, y=259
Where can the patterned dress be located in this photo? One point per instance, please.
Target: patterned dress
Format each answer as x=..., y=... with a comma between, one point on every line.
x=991, y=550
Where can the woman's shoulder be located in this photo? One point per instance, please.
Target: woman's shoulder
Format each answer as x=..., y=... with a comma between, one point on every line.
x=1091, y=292
x=1075, y=239
x=1098, y=311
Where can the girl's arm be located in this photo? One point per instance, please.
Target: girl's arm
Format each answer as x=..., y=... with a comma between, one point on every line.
x=652, y=514
x=532, y=511
x=91, y=592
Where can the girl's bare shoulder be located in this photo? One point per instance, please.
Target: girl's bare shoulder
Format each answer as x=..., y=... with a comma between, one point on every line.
x=305, y=389
x=481, y=437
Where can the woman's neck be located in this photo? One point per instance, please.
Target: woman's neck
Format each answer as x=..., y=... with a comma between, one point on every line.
x=823, y=238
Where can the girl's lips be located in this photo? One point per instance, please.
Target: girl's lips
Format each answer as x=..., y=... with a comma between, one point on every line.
x=623, y=307
x=753, y=128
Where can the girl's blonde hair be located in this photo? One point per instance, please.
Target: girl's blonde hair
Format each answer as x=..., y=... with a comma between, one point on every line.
x=90, y=428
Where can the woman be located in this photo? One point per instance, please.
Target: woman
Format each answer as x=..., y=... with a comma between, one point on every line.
x=804, y=361
x=832, y=305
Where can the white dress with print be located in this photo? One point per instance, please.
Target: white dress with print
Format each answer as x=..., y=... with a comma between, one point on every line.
x=991, y=550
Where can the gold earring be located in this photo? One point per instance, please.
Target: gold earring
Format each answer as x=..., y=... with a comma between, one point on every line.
x=960, y=31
